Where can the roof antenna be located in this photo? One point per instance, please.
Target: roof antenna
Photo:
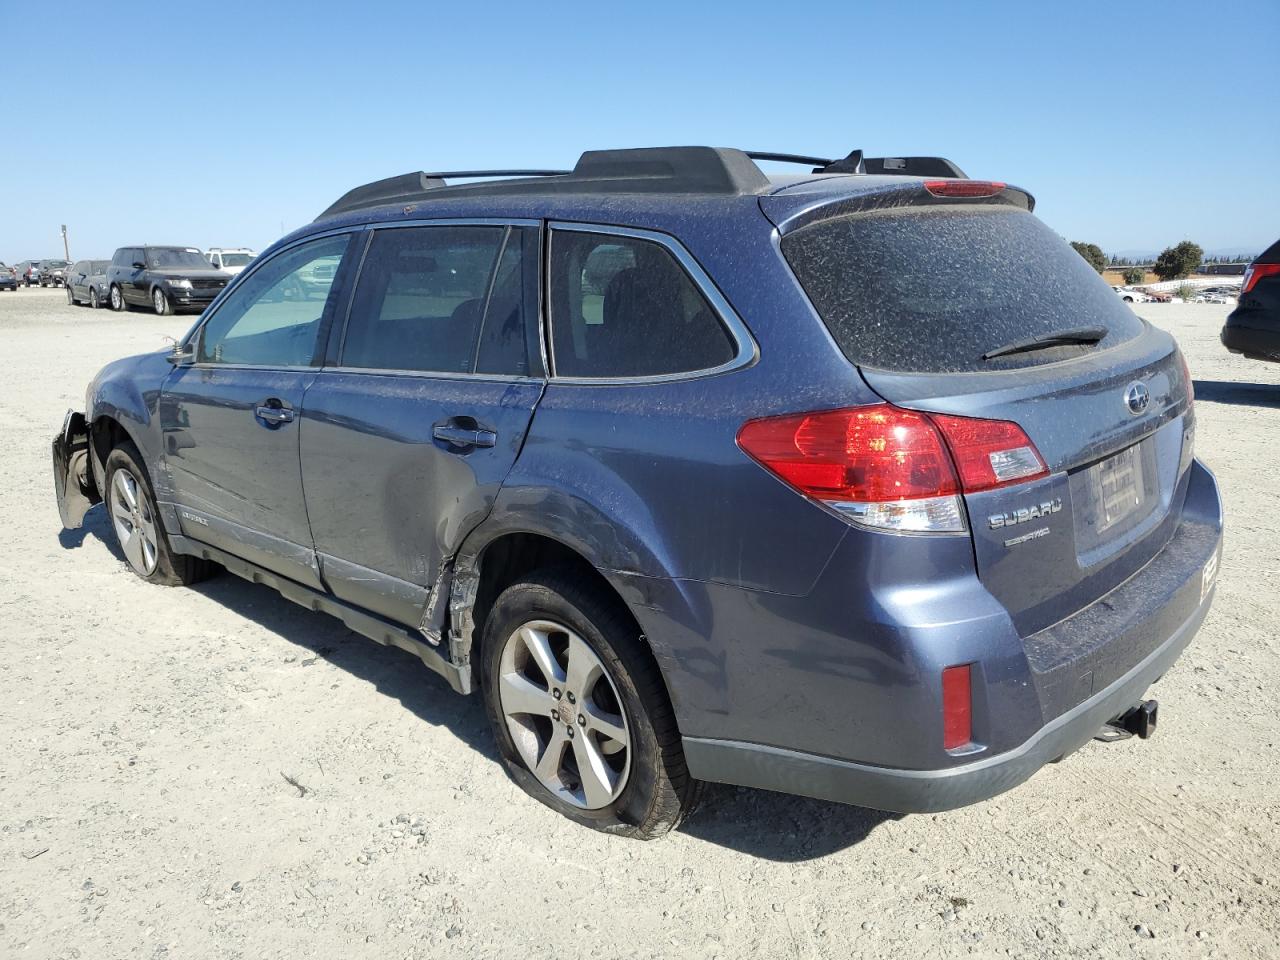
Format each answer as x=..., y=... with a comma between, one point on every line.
x=850, y=164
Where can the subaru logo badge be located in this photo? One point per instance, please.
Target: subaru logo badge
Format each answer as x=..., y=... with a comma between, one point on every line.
x=1137, y=397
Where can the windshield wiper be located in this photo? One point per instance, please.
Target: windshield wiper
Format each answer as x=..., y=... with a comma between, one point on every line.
x=1078, y=335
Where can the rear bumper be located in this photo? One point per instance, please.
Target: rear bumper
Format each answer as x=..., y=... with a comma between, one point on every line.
x=930, y=791
x=1125, y=641
x=1252, y=341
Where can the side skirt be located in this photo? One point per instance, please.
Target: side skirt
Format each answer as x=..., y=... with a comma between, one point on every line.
x=387, y=634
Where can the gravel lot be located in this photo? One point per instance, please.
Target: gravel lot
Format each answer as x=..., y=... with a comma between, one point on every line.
x=146, y=735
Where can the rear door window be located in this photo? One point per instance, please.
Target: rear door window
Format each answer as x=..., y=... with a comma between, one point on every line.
x=420, y=302
x=624, y=307
x=933, y=289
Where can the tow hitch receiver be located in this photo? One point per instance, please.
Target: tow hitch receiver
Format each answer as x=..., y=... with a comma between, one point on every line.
x=1138, y=721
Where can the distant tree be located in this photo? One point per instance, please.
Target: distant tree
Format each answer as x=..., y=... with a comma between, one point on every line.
x=1174, y=263
x=1092, y=254
x=1134, y=275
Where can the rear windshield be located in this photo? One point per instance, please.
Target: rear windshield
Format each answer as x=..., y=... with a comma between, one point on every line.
x=932, y=289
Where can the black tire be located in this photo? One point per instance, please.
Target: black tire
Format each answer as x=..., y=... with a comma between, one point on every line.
x=71, y=300
x=118, y=303
x=171, y=569
x=94, y=304
x=658, y=793
x=160, y=303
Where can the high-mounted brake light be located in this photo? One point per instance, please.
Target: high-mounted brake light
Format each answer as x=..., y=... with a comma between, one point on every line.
x=1255, y=272
x=894, y=469
x=963, y=188
x=957, y=707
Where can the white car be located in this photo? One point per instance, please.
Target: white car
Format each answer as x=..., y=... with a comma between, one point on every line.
x=1131, y=296
x=230, y=259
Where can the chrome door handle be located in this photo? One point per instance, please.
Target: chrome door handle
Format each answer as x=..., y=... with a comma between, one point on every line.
x=273, y=415
x=464, y=436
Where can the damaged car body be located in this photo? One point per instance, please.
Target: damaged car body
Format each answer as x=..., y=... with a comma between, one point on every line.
x=825, y=483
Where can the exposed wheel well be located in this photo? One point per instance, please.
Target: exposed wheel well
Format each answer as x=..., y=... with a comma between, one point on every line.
x=104, y=435
x=510, y=558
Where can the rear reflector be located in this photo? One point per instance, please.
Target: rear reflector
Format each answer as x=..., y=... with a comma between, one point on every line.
x=1255, y=272
x=882, y=466
x=963, y=188
x=957, y=707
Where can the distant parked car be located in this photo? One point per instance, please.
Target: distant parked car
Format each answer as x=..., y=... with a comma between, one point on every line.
x=53, y=273
x=87, y=282
x=29, y=273
x=8, y=277
x=230, y=259
x=1253, y=327
x=167, y=278
x=1130, y=296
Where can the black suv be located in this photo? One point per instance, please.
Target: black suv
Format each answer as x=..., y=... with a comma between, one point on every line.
x=165, y=278
x=1253, y=327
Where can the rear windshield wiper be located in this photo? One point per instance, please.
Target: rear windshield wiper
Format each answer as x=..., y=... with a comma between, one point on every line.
x=1084, y=335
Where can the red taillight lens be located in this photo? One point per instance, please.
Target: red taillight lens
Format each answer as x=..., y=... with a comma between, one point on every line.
x=957, y=707
x=963, y=188
x=990, y=453
x=1255, y=272
x=887, y=467
x=865, y=454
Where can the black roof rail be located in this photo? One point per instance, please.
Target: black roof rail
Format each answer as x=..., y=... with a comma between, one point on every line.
x=693, y=170
x=713, y=171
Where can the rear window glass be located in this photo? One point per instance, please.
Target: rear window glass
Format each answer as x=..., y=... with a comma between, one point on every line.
x=932, y=290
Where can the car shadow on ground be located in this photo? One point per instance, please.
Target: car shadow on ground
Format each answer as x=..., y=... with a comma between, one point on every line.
x=1238, y=393
x=772, y=826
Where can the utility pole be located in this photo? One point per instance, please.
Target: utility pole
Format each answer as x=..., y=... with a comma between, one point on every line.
x=66, y=249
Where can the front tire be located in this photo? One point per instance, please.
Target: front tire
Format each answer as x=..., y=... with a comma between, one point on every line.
x=580, y=711
x=93, y=299
x=117, y=300
x=160, y=302
x=131, y=507
x=71, y=300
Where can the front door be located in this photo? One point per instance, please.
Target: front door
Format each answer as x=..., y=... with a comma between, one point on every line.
x=231, y=418
x=407, y=440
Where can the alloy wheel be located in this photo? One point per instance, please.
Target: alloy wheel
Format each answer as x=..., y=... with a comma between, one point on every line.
x=117, y=302
x=134, y=521
x=564, y=714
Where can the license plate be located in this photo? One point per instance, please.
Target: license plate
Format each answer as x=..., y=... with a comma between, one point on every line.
x=1208, y=576
x=1118, y=487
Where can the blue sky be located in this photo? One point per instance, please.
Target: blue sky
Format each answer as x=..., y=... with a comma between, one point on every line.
x=222, y=123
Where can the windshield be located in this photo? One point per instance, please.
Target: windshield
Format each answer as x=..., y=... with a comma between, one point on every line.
x=99, y=266
x=236, y=259
x=160, y=258
x=54, y=264
x=936, y=289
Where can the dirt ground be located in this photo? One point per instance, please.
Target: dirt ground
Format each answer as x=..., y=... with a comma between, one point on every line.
x=148, y=737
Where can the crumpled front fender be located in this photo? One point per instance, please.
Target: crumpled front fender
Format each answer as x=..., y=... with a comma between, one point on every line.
x=73, y=481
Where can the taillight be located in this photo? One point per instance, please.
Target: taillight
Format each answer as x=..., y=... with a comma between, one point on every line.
x=957, y=707
x=963, y=188
x=890, y=468
x=1255, y=272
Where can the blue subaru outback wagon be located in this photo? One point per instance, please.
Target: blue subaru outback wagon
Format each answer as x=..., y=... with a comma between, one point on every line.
x=858, y=484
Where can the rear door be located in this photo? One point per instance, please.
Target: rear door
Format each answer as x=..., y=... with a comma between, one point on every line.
x=231, y=418
x=982, y=311
x=409, y=434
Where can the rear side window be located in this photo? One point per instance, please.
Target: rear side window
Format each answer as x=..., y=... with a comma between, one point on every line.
x=932, y=290
x=420, y=303
x=624, y=307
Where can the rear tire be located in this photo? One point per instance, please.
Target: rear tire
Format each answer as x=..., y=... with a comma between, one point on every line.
x=642, y=787
x=135, y=521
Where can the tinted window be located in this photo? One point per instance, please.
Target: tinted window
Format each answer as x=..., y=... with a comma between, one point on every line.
x=274, y=317
x=503, y=344
x=623, y=307
x=932, y=290
x=180, y=258
x=420, y=299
